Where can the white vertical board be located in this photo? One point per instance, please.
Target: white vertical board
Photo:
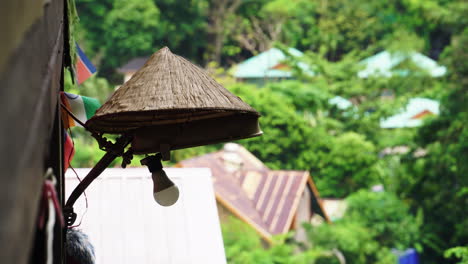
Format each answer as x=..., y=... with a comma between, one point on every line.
x=126, y=225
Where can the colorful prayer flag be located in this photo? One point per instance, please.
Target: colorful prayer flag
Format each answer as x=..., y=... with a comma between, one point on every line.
x=81, y=106
x=84, y=67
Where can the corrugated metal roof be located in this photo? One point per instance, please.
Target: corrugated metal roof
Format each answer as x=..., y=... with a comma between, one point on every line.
x=413, y=114
x=126, y=226
x=381, y=64
x=266, y=199
x=267, y=64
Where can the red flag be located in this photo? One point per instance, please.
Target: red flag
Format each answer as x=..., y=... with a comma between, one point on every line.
x=84, y=67
x=68, y=150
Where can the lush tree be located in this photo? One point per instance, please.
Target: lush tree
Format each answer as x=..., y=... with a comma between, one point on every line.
x=350, y=164
x=374, y=223
x=458, y=252
x=132, y=27
x=288, y=142
x=340, y=163
x=301, y=130
x=221, y=22
x=306, y=97
x=387, y=216
x=243, y=245
x=223, y=31
x=437, y=183
x=184, y=27
x=91, y=26
x=349, y=240
x=261, y=25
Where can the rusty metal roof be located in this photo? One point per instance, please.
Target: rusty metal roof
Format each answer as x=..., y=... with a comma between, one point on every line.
x=266, y=199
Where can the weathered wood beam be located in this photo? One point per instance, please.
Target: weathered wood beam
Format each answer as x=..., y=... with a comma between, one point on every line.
x=30, y=79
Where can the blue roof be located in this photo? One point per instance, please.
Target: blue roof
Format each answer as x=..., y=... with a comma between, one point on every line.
x=261, y=66
x=407, y=117
x=382, y=64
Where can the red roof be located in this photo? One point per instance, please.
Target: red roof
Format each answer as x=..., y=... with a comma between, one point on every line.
x=422, y=114
x=266, y=199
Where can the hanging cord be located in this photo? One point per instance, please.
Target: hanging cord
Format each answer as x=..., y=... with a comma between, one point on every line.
x=78, y=177
x=51, y=204
x=72, y=115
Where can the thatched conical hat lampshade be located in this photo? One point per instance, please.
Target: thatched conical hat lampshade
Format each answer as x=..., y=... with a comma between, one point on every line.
x=171, y=103
x=168, y=104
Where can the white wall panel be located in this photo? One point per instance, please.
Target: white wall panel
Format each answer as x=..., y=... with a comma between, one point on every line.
x=126, y=225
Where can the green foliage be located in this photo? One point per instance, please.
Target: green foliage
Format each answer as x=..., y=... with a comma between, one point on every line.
x=183, y=154
x=72, y=16
x=396, y=137
x=183, y=26
x=91, y=28
x=348, y=166
x=288, y=137
x=438, y=180
x=240, y=248
x=301, y=130
x=387, y=216
x=87, y=152
x=353, y=240
x=335, y=77
x=334, y=28
x=133, y=27
x=306, y=97
x=403, y=40
x=342, y=27
x=340, y=164
x=244, y=246
x=374, y=224
x=458, y=252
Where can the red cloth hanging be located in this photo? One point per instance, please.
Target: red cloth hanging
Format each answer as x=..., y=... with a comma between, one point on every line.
x=68, y=150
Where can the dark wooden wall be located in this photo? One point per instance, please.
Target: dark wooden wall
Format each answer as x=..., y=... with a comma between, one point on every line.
x=31, y=54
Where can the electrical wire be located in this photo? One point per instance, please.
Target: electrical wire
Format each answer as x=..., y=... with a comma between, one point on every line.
x=77, y=176
x=72, y=115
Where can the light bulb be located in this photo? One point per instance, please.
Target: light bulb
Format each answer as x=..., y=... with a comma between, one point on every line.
x=165, y=192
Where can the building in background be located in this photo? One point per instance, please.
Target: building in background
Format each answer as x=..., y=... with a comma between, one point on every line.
x=271, y=201
x=270, y=65
x=340, y=102
x=413, y=114
x=335, y=208
x=387, y=64
x=131, y=67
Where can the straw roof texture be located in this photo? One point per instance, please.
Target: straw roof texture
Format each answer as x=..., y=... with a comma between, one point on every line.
x=168, y=89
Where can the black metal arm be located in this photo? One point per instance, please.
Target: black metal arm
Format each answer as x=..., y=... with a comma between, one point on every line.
x=112, y=151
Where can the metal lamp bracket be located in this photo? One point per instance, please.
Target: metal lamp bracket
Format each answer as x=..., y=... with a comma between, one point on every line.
x=113, y=150
x=165, y=150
